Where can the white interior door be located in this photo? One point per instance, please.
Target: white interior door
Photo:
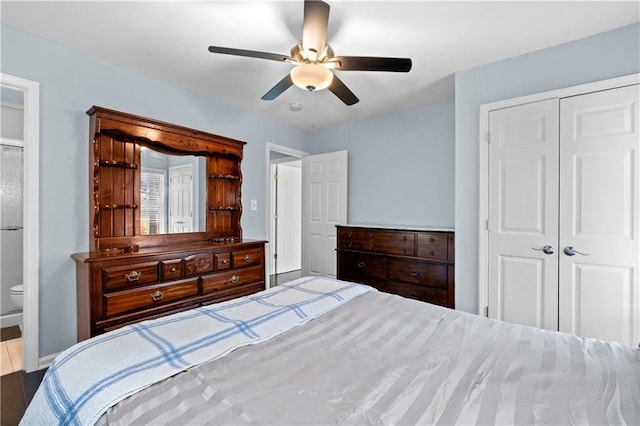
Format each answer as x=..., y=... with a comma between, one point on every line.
x=599, y=216
x=523, y=214
x=324, y=205
x=289, y=217
x=181, y=199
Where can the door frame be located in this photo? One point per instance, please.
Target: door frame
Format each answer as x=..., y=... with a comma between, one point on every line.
x=483, y=181
x=291, y=152
x=31, y=207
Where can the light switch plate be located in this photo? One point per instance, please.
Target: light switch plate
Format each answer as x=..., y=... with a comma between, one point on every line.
x=254, y=204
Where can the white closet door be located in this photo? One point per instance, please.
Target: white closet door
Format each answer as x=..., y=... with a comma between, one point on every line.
x=523, y=212
x=324, y=205
x=599, y=215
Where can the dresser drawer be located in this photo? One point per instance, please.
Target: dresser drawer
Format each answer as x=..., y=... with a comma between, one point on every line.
x=198, y=264
x=136, y=299
x=433, y=246
x=222, y=281
x=352, y=266
x=234, y=292
x=424, y=294
x=117, y=277
x=349, y=239
x=171, y=269
x=245, y=258
x=424, y=274
x=223, y=261
x=402, y=243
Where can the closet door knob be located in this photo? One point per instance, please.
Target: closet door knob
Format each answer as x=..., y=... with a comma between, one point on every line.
x=571, y=251
x=548, y=249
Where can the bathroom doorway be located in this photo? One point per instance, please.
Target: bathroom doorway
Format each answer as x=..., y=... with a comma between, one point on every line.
x=11, y=229
x=19, y=212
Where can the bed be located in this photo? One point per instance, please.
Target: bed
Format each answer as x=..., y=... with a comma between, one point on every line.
x=324, y=351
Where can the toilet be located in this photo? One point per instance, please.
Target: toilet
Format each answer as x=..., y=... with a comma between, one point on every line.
x=16, y=295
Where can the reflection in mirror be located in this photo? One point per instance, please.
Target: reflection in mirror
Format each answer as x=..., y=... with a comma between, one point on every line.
x=172, y=193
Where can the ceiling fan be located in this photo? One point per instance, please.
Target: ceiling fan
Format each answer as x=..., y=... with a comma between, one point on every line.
x=314, y=60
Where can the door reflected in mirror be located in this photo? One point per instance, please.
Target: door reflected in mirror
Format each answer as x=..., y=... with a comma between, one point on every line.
x=172, y=193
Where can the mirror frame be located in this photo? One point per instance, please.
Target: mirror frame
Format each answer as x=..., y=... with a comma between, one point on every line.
x=115, y=142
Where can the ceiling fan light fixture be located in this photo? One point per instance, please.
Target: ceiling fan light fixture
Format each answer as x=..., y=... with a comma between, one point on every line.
x=311, y=77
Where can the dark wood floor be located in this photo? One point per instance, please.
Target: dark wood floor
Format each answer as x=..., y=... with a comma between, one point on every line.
x=16, y=389
x=285, y=277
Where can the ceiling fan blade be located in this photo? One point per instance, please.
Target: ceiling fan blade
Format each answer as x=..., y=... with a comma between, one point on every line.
x=249, y=53
x=339, y=89
x=370, y=63
x=277, y=90
x=314, y=27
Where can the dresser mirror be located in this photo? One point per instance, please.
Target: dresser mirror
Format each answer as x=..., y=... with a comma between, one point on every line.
x=172, y=193
x=155, y=184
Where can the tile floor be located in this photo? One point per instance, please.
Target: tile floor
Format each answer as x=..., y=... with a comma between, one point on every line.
x=11, y=352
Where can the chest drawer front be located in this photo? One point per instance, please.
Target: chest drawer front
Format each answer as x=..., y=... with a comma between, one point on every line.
x=349, y=239
x=150, y=296
x=424, y=294
x=433, y=246
x=245, y=258
x=425, y=274
x=171, y=269
x=117, y=277
x=356, y=265
x=223, y=261
x=225, y=280
x=402, y=243
x=198, y=264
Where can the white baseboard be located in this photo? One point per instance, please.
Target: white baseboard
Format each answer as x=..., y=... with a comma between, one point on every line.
x=45, y=361
x=11, y=319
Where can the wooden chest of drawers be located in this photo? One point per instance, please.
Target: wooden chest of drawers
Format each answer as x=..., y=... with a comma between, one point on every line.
x=116, y=290
x=411, y=263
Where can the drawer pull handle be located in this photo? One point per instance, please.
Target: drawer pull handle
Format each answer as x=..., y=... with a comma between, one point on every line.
x=133, y=276
x=431, y=240
x=234, y=278
x=404, y=251
x=404, y=238
x=172, y=270
x=415, y=274
x=224, y=261
x=158, y=295
x=432, y=253
x=362, y=264
x=248, y=258
x=350, y=244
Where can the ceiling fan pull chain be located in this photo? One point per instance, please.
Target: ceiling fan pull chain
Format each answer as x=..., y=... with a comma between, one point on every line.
x=313, y=109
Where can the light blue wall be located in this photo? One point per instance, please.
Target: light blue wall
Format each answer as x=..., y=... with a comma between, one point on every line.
x=607, y=55
x=403, y=166
x=71, y=82
x=400, y=165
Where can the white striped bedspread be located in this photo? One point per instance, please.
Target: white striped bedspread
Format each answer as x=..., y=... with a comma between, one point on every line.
x=93, y=375
x=383, y=359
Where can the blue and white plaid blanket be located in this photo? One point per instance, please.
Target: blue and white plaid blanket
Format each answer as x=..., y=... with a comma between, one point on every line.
x=88, y=378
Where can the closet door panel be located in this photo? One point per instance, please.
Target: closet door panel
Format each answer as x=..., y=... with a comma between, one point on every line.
x=523, y=214
x=599, y=293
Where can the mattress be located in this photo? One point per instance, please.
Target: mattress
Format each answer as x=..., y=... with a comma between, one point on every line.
x=383, y=359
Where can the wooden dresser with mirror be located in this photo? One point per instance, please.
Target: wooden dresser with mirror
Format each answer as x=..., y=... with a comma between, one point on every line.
x=165, y=235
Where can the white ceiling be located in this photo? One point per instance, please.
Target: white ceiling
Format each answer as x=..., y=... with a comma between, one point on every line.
x=168, y=40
